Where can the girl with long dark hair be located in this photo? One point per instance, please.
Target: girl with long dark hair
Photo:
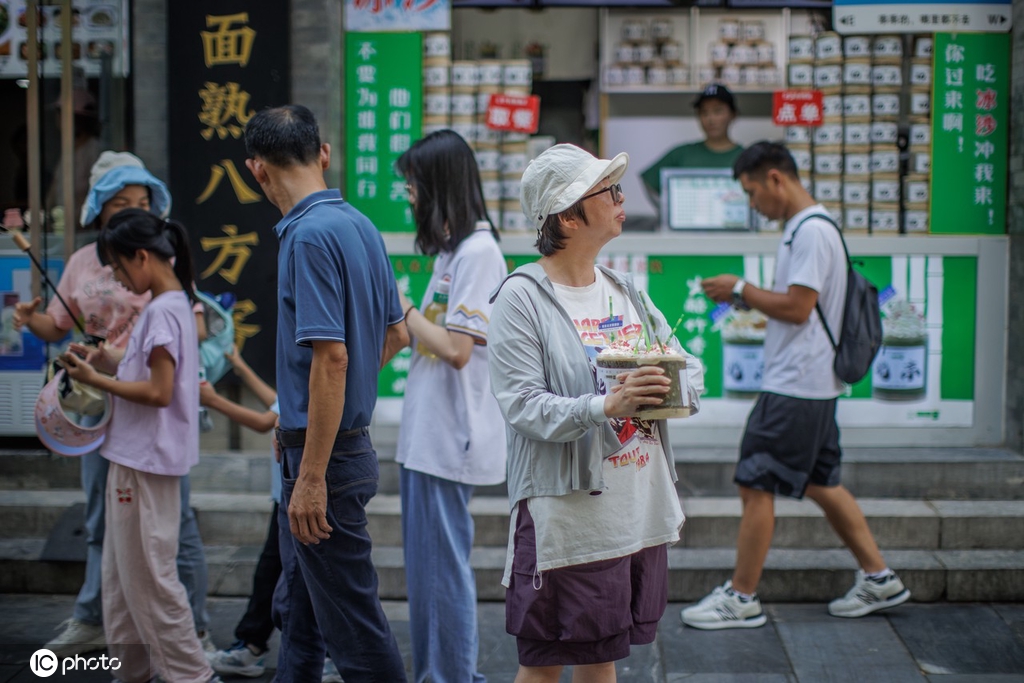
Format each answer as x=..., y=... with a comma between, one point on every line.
x=452, y=437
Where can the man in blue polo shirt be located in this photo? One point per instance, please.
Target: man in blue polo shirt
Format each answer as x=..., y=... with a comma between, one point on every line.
x=339, y=322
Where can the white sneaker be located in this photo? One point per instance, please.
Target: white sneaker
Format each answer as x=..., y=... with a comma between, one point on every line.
x=77, y=638
x=330, y=674
x=207, y=642
x=722, y=608
x=869, y=595
x=238, y=660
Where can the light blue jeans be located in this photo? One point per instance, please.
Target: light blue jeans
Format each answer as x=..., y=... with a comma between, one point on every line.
x=437, y=537
x=191, y=557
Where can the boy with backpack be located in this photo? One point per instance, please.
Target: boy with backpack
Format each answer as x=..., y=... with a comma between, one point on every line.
x=791, y=443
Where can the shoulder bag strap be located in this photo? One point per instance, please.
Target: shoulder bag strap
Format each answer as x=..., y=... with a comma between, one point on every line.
x=849, y=264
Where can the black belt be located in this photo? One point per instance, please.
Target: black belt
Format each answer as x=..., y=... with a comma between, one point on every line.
x=294, y=438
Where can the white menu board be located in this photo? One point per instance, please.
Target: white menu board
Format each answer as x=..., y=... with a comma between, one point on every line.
x=703, y=199
x=99, y=27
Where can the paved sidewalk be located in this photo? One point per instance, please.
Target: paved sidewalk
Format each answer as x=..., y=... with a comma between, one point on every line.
x=926, y=643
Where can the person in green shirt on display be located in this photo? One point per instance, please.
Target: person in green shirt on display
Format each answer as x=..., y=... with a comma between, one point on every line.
x=716, y=110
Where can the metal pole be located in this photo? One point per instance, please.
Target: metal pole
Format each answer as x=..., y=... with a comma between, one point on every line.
x=67, y=129
x=35, y=165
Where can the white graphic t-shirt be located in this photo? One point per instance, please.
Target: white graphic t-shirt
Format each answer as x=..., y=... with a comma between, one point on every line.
x=639, y=508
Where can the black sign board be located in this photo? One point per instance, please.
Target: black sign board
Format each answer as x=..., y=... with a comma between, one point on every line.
x=227, y=59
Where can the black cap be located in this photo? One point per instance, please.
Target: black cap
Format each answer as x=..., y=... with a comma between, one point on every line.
x=716, y=91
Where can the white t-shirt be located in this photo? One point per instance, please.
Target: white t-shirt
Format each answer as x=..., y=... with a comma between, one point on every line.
x=639, y=508
x=451, y=425
x=798, y=358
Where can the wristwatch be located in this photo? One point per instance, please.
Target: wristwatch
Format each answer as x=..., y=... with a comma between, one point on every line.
x=737, y=293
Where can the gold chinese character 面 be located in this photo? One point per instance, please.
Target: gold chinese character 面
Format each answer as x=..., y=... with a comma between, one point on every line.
x=243, y=192
x=243, y=330
x=227, y=45
x=221, y=105
x=235, y=247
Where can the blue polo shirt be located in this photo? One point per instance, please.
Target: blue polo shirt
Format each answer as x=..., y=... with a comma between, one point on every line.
x=335, y=282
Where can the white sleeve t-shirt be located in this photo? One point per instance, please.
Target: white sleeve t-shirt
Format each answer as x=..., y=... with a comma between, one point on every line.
x=798, y=358
x=451, y=423
x=639, y=508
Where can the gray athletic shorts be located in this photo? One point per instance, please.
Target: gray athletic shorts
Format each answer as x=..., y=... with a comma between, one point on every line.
x=788, y=444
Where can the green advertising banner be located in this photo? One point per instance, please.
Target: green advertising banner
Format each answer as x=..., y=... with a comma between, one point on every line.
x=674, y=286
x=925, y=364
x=413, y=275
x=924, y=373
x=970, y=133
x=383, y=115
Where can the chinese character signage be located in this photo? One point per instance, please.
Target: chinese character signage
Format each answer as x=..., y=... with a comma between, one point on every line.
x=797, y=107
x=914, y=16
x=99, y=32
x=970, y=133
x=514, y=113
x=230, y=59
x=398, y=15
x=383, y=115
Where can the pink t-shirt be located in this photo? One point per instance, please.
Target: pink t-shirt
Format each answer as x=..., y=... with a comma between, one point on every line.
x=159, y=440
x=108, y=309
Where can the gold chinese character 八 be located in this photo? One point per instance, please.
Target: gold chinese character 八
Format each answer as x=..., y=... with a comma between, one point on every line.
x=244, y=330
x=221, y=104
x=227, y=45
x=243, y=192
x=235, y=247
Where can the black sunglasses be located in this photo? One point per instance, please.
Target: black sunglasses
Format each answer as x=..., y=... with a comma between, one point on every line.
x=615, y=189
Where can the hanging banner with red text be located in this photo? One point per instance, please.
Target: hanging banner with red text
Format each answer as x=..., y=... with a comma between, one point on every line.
x=397, y=15
x=797, y=108
x=514, y=113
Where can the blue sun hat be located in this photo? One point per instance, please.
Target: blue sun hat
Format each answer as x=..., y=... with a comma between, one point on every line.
x=112, y=172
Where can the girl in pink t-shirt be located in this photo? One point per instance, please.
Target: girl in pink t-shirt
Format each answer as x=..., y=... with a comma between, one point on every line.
x=152, y=441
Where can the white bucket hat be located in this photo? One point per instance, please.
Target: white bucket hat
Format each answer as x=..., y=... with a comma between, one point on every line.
x=560, y=176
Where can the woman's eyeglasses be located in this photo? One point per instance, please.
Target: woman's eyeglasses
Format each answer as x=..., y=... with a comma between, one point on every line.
x=615, y=189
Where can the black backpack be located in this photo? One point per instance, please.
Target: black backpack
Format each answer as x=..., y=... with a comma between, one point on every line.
x=861, y=334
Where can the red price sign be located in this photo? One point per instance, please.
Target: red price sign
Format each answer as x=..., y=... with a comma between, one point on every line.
x=797, y=108
x=515, y=113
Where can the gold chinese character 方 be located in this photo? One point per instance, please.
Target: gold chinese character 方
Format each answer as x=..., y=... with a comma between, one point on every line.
x=235, y=247
x=243, y=192
x=227, y=45
x=244, y=330
x=221, y=104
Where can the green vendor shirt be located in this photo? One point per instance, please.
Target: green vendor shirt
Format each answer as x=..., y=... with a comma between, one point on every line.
x=693, y=155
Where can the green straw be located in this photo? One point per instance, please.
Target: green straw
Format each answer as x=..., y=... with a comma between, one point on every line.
x=678, y=323
x=653, y=326
x=611, y=318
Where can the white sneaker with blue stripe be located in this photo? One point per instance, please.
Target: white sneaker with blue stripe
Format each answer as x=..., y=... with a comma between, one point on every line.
x=870, y=595
x=237, y=660
x=723, y=608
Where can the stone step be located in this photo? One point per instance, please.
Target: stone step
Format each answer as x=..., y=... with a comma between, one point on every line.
x=242, y=519
x=908, y=473
x=794, y=575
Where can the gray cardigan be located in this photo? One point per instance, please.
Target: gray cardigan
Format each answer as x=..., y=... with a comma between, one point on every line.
x=544, y=384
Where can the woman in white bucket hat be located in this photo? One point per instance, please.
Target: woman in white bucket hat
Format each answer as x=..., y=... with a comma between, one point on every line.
x=108, y=311
x=594, y=506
